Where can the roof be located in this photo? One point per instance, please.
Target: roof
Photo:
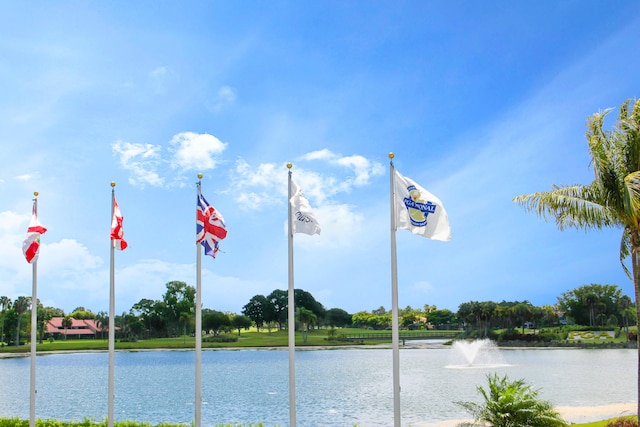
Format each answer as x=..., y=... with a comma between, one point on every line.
x=78, y=326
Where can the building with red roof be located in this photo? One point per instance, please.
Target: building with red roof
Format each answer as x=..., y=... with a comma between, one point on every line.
x=80, y=328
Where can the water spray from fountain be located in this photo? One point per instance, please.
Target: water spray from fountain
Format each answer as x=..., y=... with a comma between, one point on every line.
x=475, y=354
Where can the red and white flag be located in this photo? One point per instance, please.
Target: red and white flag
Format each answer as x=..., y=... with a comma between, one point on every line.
x=117, y=233
x=31, y=245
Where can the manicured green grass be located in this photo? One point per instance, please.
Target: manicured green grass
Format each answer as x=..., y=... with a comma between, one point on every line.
x=250, y=338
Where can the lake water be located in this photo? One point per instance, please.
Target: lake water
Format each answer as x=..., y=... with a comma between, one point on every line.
x=338, y=387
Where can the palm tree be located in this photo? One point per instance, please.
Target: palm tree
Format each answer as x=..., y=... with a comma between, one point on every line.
x=185, y=319
x=102, y=322
x=5, y=303
x=307, y=318
x=67, y=322
x=591, y=301
x=510, y=404
x=20, y=305
x=612, y=199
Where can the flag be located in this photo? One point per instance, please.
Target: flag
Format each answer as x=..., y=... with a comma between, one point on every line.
x=31, y=245
x=210, y=228
x=117, y=233
x=419, y=211
x=303, y=219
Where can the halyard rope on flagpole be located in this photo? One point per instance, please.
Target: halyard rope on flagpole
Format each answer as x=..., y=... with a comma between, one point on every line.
x=112, y=323
x=198, y=393
x=34, y=330
x=395, y=335
x=291, y=313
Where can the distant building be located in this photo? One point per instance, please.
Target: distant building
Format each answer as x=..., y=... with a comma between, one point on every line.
x=80, y=328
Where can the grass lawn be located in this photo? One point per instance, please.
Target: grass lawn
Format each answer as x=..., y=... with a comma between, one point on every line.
x=249, y=338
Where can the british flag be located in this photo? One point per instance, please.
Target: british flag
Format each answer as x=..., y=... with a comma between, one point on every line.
x=210, y=228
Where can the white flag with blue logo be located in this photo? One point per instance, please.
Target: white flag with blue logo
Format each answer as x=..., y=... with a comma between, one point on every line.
x=303, y=219
x=419, y=211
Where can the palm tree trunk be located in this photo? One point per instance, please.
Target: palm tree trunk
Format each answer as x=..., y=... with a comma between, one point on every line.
x=635, y=266
x=18, y=333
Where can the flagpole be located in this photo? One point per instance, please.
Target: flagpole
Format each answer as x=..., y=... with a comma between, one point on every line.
x=292, y=319
x=198, y=395
x=34, y=331
x=395, y=335
x=112, y=320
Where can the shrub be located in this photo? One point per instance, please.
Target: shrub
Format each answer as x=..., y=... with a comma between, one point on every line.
x=511, y=403
x=221, y=338
x=623, y=422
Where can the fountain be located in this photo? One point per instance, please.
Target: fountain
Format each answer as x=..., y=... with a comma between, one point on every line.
x=475, y=354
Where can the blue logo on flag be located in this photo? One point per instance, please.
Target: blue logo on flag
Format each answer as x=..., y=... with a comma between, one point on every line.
x=418, y=208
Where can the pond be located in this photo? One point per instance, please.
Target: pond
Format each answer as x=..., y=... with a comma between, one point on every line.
x=334, y=387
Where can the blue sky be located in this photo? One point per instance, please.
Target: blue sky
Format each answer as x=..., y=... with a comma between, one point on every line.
x=480, y=102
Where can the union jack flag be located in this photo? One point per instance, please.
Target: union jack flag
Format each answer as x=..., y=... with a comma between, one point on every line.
x=210, y=228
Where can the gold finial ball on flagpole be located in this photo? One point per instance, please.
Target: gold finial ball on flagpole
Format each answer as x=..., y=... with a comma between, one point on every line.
x=391, y=155
x=35, y=193
x=113, y=184
x=289, y=165
x=199, y=176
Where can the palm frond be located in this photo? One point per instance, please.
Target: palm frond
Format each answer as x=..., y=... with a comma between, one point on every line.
x=571, y=207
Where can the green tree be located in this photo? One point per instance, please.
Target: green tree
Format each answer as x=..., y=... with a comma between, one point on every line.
x=241, y=322
x=20, y=305
x=584, y=303
x=213, y=320
x=302, y=298
x=307, y=318
x=185, y=319
x=523, y=312
x=102, y=322
x=279, y=301
x=258, y=309
x=511, y=404
x=5, y=304
x=440, y=318
x=337, y=317
x=152, y=314
x=612, y=199
x=67, y=322
x=179, y=298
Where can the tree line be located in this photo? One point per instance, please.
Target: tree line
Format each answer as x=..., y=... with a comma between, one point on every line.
x=174, y=315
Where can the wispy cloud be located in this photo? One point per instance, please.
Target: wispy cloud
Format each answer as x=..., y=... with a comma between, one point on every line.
x=225, y=96
x=155, y=165
x=141, y=160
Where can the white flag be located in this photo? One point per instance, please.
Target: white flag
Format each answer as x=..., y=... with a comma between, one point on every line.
x=419, y=211
x=303, y=220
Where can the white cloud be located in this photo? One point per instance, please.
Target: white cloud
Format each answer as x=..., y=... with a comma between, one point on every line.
x=150, y=164
x=265, y=185
x=25, y=177
x=141, y=160
x=160, y=76
x=362, y=167
x=195, y=151
x=226, y=96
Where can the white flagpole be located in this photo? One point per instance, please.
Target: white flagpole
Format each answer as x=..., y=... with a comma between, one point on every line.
x=34, y=333
x=292, y=318
x=198, y=396
x=112, y=320
x=395, y=335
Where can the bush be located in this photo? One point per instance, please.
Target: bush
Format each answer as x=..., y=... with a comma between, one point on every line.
x=221, y=338
x=623, y=422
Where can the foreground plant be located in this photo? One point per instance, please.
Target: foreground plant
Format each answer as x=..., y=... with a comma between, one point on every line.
x=511, y=404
